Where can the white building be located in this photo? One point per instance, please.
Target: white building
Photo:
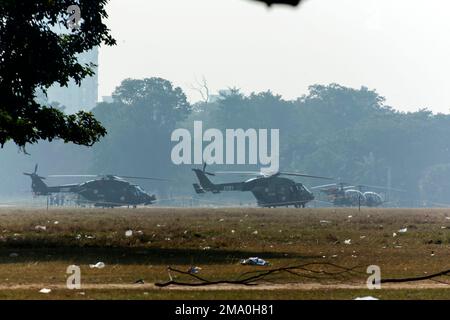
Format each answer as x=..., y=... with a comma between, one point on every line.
x=74, y=97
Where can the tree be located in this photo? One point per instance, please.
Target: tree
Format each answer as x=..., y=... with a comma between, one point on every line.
x=434, y=184
x=33, y=56
x=140, y=121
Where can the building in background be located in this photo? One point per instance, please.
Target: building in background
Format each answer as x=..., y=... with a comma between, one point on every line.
x=74, y=97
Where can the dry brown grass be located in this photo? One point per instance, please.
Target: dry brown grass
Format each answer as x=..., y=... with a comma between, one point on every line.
x=215, y=239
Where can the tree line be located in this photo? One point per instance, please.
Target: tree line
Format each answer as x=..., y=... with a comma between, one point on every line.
x=332, y=130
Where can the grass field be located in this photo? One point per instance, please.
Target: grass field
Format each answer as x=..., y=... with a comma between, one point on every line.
x=32, y=258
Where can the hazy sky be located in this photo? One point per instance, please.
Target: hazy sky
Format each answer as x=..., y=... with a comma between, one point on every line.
x=401, y=48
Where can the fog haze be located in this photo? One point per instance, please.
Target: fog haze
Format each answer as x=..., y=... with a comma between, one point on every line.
x=400, y=48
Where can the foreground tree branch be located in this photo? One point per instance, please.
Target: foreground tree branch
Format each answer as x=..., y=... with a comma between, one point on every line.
x=412, y=279
x=253, y=277
x=307, y=270
x=288, y=2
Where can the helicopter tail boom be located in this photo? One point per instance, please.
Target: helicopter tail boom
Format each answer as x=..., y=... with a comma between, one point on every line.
x=198, y=189
x=40, y=188
x=206, y=184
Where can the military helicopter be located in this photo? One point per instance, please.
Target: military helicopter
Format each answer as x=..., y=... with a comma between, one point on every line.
x=343, y=194
x=105, y=191
x=270, y=189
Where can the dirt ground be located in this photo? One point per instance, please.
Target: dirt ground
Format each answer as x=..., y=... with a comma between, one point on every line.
x=37, y=246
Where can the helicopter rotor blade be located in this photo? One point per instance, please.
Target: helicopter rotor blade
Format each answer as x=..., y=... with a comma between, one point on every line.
x=102, y=175
x=244, y=173
x=143, y=178
x=324, y=186
x=269, y=174
x=33, y=175
x=249, y=173
x=379, y=187
x=73, y=176
x=206, y=172
x=304, y=175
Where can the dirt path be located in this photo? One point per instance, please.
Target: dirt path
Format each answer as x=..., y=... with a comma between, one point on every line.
x=296, y=286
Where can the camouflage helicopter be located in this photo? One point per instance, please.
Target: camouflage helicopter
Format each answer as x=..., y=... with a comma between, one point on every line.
x=105, y=191
x=345, y=195
x=270, y=189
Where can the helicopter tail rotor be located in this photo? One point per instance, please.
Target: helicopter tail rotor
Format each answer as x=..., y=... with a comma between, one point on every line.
x=206, y=172
x=205, y=183
x=37, y=185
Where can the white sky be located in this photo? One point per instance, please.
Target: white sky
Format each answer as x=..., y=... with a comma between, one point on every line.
x=401, y=48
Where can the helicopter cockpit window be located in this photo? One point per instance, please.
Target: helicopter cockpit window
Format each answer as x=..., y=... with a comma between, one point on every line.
x=139, y=189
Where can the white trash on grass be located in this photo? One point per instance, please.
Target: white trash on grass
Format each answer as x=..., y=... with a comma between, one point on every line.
x=98, y=265
x=128, y=233
x=254, y=261
x=366, y=298
x=45, y=290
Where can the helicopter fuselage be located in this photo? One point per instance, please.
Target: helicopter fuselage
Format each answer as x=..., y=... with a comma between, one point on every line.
x=354, y=198
x=113, y=192
x=108, y=191
x=272, y=191
x=278, y=191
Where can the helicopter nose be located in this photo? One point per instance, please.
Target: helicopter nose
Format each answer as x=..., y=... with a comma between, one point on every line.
x=149, y=199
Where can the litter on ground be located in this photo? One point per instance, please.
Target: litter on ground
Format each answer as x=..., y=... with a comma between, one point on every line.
x=194, y=270
x=98, y=265
x=128, y=233
x=254, y=261
x=45, y=290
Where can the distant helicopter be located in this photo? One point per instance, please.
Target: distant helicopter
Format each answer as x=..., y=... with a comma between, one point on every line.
x=344, y=195
x=269, y=189
x=106, y=191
